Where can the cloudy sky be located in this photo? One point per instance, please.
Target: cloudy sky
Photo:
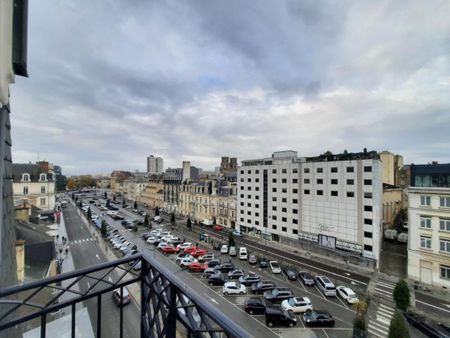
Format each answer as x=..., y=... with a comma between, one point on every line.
x=114, y=81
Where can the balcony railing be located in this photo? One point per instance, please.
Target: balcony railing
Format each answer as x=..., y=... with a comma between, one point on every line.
x=167, y=307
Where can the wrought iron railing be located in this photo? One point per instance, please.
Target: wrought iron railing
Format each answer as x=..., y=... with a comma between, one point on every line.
x=167, y=307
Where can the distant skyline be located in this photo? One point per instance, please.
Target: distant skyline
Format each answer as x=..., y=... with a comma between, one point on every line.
x=111, y=83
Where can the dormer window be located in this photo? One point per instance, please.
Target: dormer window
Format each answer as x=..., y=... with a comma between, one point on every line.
x=43, y=177
x=26, y=177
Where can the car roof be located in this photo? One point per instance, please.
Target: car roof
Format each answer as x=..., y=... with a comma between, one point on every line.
x=346, y=289
x=302, y=299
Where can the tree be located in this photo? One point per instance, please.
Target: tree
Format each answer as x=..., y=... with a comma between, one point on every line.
x=361, y=308
x=156, y=211
x=401, y=295
x=214, y=220
x=103, y=228
x=107, y=202
x=114, y=198
x=397, y=328
x=189, y=223
x=231, y=241
x=359, y=324
x=146, y=221
x=89, y=213
x=172, y=218
x=106, y=195
x=135, y=205
x=123, y=202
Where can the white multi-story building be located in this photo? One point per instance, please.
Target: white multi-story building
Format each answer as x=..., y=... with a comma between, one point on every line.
x=334, y=200
x=155, y=165
x=429, y=224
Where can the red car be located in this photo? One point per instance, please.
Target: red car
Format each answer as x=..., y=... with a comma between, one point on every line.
x=197, y=266
x=169, y=249
x=199, y=252
x=218, y=227
x=190, y=249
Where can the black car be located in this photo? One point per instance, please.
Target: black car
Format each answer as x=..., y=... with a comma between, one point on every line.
x=318, y=318
x=249, y=279
x=146, y=235
x=276, y=316
x=217, y=246
x=124, y=222
x=263, y=263
x=277, y=295
x=138, y=222
x=423, y=326
x=290, y=273
x=306, y=278
x=208, y=272
x=262, y=286
x=217, y=279
x=226, y=267
x=213, y=263
x=254, y=306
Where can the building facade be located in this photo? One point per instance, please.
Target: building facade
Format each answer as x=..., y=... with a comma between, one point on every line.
x=172, y=179
x=155, y=165
x=333, y=200
x=429, y=224
x=392, y=168
x=32, y=183
x=153, y=194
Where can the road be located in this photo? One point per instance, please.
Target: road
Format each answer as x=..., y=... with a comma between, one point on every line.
x=85, y=252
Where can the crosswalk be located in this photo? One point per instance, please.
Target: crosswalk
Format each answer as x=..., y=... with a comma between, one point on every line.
x=79, y=241
x=379, y=328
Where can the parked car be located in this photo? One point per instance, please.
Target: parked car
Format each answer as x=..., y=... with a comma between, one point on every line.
x=208, y=272
x=297, y=304
x=169, y=249
x=199, y=253
x=277, y=295
x=232, y=251
x=325, y=285
x=152, y=240
x=318, y=318
x=276, y=316
x=423, y=326
x=226, y=267
x=235, y=274
x=124, y=300
x=249, y=279
x=218, y=227
x=180, y=256
x=262, y=286
x=237, y=233
x=275, y=267
x=184, y=245
x=252, y=259
x=217, y=279
x=347, y=294
x=197, y=267
x=217, y=246
x=243, y=254
x=190, y=249
x=233, y=288
x=186, y=261
x=306, y=278
x=254, y=306
x=206, y=258
x=290, y=273
x=263, y=263
x=224, y=249
x=213, y=263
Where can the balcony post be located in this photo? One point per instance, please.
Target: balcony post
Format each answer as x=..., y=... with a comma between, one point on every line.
x=172, y=317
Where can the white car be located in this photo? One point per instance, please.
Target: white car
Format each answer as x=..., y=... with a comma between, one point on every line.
x=206, y=258
x=275, y=267
x=162, y=245
x=155, y=232
x=186, y=261
x=152, y=240
x=297, y=304
x=347, y=294
x=117, y=245
x=184, y=245
x=234, y=288
x=224, y=249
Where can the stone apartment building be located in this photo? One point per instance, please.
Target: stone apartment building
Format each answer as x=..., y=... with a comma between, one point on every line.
x=429, y=224
x=153, y=193
x=331, y=200
x=33, y=183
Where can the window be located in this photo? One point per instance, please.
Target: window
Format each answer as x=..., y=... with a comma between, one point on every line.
x=256, y=188
x=256, y=222
x=284, y=200
x=274, y=208
x=43, y=189
x=25, y=190
x=306, y=181
x=444, y=245
x=283, y=210
x=367, y=208
x=295, y=231
x=334, y=193
x=350, y=169
x=249, y=205
x=334, y=169
x=284, y=190
x=445, y=271
x=249, y=172
x=242, y=172
x=249, y=221
x=274, y=180
x=367, y=247
x=274, y=217
x=444, y=224
x=284, y=171
x=274, y=199
x=295, y=201
x=42, y=201
x=425, y=200
x=350, y=194
x=257, y=180
x=249, y=213
x=320, y=192
x=284, y=229
x=249, y=179
x=294, y=211
x=295, y=221
x=256, y=171
x=367, y=234
x=274, y=227
x=319, y=181
x=367, y=221
x=425, y=222
x=367, y=195
x=249, y=196
x=425, y=242
x=367, y=182
x=256, y=214
x=242, y=179
x=256, y=205
x=242, y=187
x=294, y=171
x=242, y=211
x=284, y=180
x=306, y=191
x=242, y=204
x=306, y=170
x=242, y=195
x=295, y=191
x=368, y=169
x=295, y=181
x=445, y=202
x=334, y=181
x=249, y=188
x=274, y=189
x=26, y=177
x=257, y=197
x=320, y=170
x=283, y=219
x=274, y=171
x=350, y=182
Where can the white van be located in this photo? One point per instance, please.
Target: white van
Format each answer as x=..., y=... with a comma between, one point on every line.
x=232, y=251
x=243, y=253
x=326, y=286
